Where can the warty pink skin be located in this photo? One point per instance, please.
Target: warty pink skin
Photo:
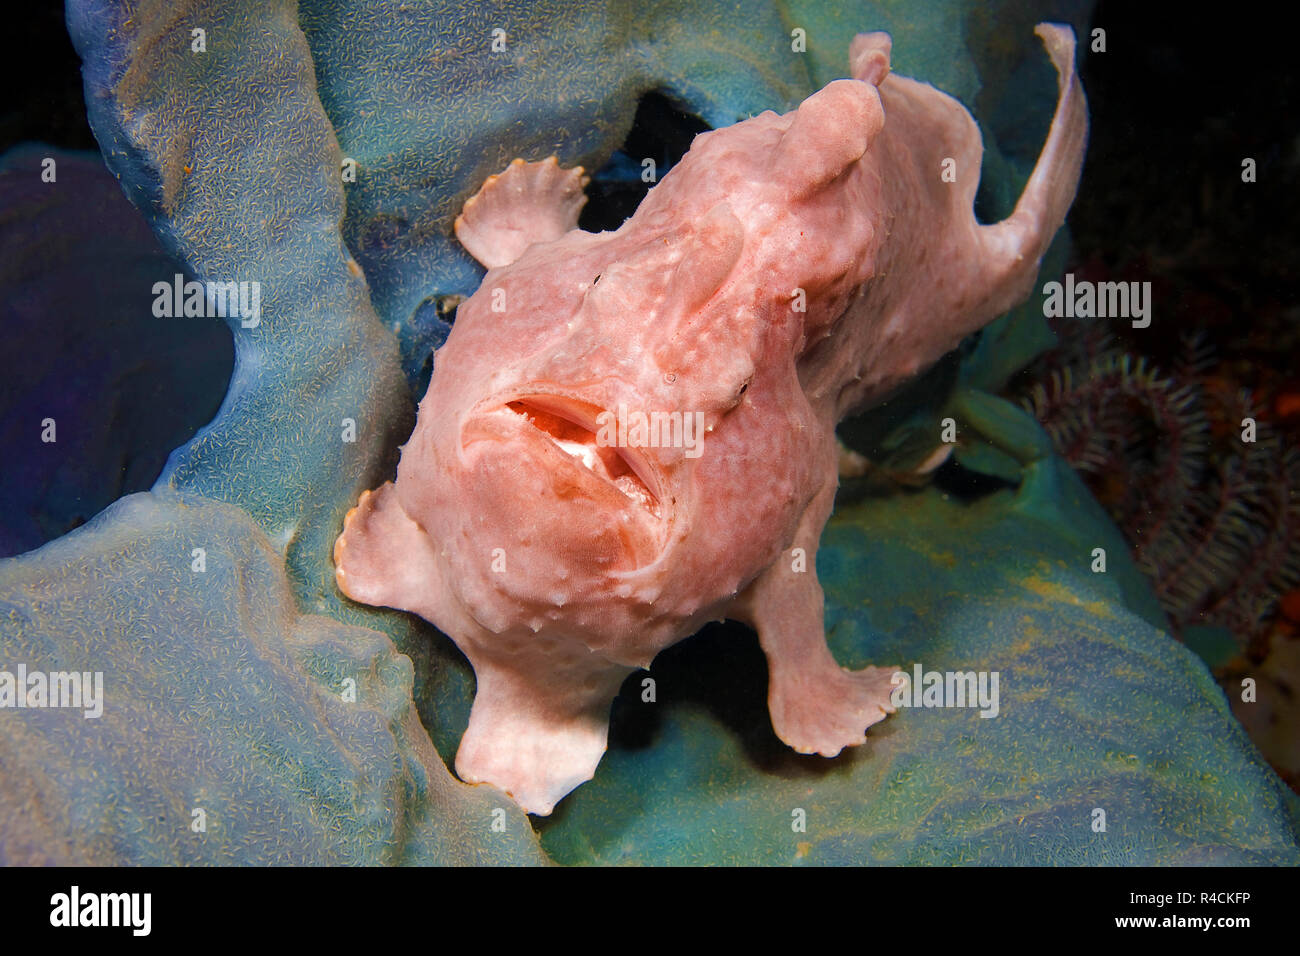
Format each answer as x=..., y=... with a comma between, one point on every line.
x=790, y=269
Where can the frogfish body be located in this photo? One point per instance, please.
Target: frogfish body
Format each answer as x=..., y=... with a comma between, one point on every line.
x=630, y=434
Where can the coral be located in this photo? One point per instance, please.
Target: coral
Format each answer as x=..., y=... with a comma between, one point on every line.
x=237, y=708
x=1213, y=520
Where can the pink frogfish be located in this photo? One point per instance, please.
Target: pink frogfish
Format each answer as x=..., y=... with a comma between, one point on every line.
x=630, y=434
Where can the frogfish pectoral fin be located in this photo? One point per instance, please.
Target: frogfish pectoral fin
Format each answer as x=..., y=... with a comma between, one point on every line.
x=816, y=705
x=384, y=558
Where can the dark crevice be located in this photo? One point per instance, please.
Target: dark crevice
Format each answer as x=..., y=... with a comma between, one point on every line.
x=661, y=131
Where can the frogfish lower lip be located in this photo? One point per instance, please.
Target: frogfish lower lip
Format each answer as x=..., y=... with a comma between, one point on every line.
x=574, y=427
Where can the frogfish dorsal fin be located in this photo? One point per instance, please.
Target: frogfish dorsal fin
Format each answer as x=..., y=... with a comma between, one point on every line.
x=524, y=204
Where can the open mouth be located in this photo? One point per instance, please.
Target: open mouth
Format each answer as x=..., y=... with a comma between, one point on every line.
x=575, y=427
